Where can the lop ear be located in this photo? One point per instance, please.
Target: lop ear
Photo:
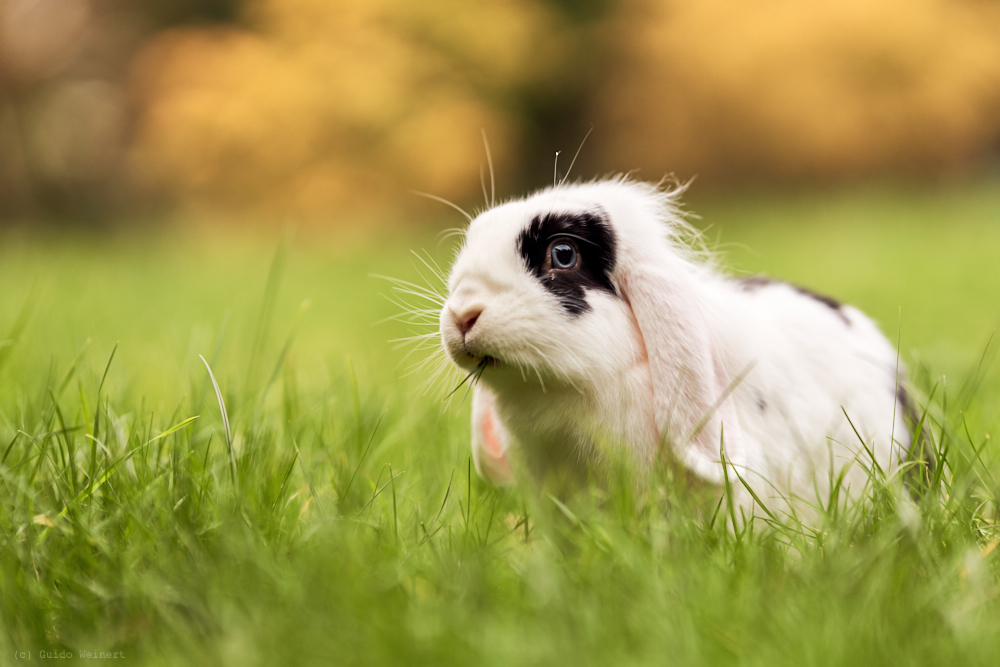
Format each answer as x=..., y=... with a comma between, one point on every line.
x=490, y=440
x=670, y=300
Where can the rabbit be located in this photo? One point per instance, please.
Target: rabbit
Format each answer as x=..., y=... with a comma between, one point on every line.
x=591, y=320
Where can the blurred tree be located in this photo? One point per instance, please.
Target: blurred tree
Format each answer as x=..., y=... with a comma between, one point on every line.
x=64, y=114
x=316, y=107
x=321, y=107
x=160, y=13
x=556, y=116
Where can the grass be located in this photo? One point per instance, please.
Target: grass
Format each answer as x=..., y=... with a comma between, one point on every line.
x=338, y=521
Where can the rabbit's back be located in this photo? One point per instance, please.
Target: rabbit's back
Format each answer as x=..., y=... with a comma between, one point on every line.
x=823, y=389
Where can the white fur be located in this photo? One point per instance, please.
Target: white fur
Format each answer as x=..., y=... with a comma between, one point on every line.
x=681, y=360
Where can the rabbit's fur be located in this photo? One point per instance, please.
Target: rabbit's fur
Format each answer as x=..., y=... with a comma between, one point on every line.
x=644, y=345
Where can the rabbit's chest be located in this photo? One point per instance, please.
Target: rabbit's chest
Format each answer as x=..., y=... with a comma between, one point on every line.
x=569, y=428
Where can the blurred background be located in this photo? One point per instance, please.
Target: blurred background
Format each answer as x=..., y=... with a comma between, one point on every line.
x=328, y=111
x=227, y=180
x=153, y=152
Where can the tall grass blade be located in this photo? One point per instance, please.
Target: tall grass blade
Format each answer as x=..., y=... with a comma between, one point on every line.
x=305, y=473
x=225, y=423
x=106, y=475
x=361, y=462
x=173, y=429
x=100, y=388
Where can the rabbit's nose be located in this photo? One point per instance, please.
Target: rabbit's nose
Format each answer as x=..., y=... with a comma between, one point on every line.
x=466, y=320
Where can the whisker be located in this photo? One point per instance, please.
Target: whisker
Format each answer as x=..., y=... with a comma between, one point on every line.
x=412, y=309
x=489, y=159
x=563, y=181
x=410, y=314
x=540, y=380
x=419, y=319
x=404, y=287
x=429, y=290
x=433, y=298
x=407, y=283
x=415, y=337
x=414, y=349
x=439, y=365
x=443, y=201
x=403, y=318
x=436, y=269
x=482, y=182
x=446, y=234
x=422, y=365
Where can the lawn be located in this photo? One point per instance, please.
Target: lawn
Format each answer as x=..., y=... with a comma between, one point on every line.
x=338, y=520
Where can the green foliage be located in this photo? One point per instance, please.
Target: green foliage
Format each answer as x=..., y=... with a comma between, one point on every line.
x=340, y=521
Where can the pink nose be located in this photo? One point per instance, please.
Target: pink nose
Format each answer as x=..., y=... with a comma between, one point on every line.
x=467, y=320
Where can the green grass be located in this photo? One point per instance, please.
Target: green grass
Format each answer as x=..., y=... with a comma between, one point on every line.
x=342, y=523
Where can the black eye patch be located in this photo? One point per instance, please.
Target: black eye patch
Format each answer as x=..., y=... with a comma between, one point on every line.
x=594, y=241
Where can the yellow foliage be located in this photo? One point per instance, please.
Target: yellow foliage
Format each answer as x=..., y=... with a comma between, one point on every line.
x=794, y=89
x=333, y=105
x=320, y=107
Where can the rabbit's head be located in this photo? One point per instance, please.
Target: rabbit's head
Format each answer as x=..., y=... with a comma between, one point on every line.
x=533, y=294
x=581, y=287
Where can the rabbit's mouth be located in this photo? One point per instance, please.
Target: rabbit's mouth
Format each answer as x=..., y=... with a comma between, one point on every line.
x=485, y=360
x=475, y=355
x=468, y=357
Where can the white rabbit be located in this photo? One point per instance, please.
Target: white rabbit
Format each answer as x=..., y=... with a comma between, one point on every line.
x=591, y=321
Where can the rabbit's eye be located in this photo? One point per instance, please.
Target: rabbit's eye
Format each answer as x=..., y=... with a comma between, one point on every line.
x=563, y=255
x=571, y=254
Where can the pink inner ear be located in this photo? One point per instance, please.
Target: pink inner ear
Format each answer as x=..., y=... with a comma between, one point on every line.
x=666, y=299
x=490, y=439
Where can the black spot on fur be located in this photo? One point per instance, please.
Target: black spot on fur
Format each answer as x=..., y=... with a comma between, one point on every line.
x=754, y=283
x=595, y=244
x=761, y=403
x=827, y=301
